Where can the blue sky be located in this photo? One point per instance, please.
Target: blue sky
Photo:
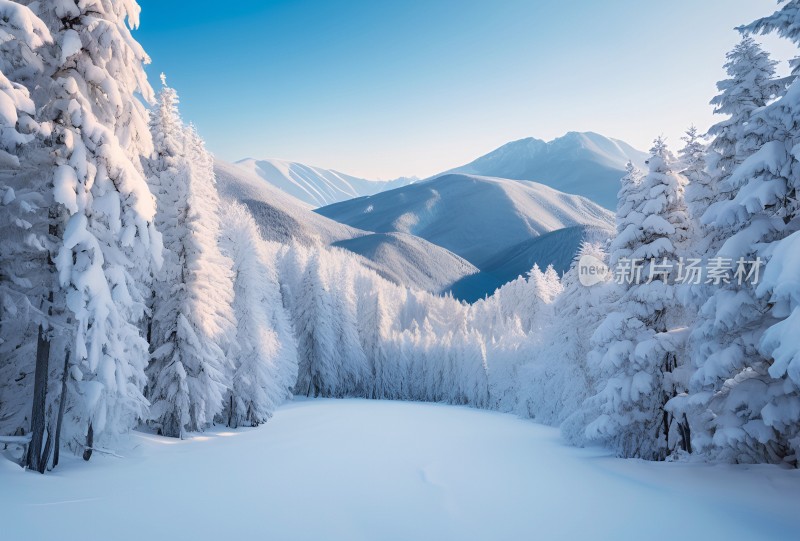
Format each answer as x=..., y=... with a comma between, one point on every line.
x=382, y=89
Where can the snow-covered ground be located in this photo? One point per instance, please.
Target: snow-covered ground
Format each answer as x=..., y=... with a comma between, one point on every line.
x=355, y=469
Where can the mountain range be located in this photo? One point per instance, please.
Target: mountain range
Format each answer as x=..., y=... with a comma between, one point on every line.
x=499, y=225
x=580, y=163
x=314, y=185
x=465, y=231
x=400, y=257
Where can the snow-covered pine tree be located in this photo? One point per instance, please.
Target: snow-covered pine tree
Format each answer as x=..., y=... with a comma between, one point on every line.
x=27, y=274
x=22, y=37
x=472, y=384
x=313, y=324
x=408, y=346
x=505, y=353
x=193, y=321
x=263, y=353
x=722, y=346
x=434, y=361
x=557, y=380
x=758, y=408
x=636, y=347
x=785, y=22
x=738, y=390
x=107, y=242
x=751, y=85
x=292, y=262
x=628, y=216
x=700, y=188
x=374, y=327
x=353, y=370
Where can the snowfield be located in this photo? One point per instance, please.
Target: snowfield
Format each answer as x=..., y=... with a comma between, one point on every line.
x=367, y=470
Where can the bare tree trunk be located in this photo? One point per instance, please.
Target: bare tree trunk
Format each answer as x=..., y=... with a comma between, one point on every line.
x=61, y=407
x=35, y=460
x=87, y=452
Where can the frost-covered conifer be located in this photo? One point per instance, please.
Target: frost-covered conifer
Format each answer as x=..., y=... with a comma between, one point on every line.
x=700, y=190
x=557, y=380
x=375, y=331
x=354, y=375
x=316, y=340
x=107, y=242
x=27, y=275
x=263, y=353
x=750, y=86
x=728, y=369
x=193, y=320
x=753, y=382
x=635, y=347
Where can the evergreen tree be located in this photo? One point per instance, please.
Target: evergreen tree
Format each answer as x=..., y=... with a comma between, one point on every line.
x=27, y=275
x=103, y=218
x=375, y=331
x=313, y=322
x=726, y=388
x=264, y=359
x=753, y=413
x=353, y=368
x=750, y=86
x=635, y=348
x=557, y=380
x=700, y=190
x=193, y=320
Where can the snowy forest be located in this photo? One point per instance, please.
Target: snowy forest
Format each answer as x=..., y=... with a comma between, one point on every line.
x=134, y=297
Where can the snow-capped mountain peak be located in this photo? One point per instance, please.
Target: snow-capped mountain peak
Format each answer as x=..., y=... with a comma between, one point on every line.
x=581, y=163
x=317, y=186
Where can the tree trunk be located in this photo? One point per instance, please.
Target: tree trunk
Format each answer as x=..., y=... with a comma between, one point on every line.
x=47, y=448
x=35, y=459
x=87, y=452
x=686, y=434
x=61, y=407
x=230, y=412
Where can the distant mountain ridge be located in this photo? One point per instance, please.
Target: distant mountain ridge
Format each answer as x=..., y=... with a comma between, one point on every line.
x=468, y=230
x=580, y=163
x=482, y=220
x=401, y=258
x=316, y=186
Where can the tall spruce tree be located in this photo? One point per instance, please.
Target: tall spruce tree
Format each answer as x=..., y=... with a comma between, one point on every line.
x=103, y=212
x=193, y=321
x=636, y=348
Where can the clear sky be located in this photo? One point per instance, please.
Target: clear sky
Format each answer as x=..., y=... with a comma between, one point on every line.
x=382, y=89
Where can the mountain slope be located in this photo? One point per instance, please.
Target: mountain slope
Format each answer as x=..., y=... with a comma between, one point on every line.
x=404, y=259
x=557, y=248
x=477, y=218
x=314, y=185
x=587, y=164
